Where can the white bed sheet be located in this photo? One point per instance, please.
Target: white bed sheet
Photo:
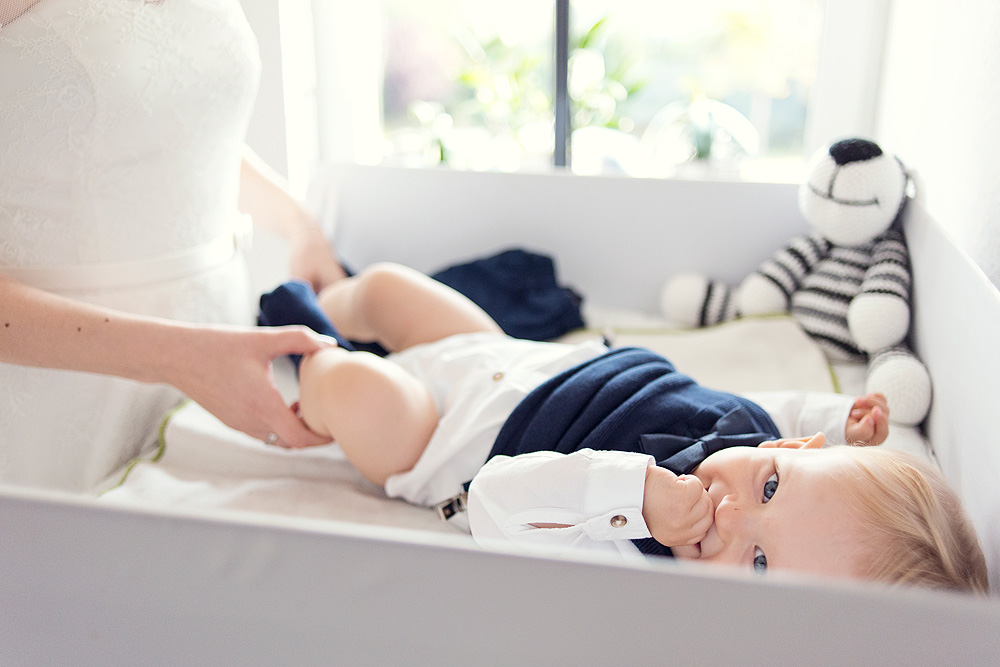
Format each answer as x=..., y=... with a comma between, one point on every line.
x=202, y=463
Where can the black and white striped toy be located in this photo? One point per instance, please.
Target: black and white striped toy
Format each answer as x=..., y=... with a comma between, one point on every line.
x=847, y=283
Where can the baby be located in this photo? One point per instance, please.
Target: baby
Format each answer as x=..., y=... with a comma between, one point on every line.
x=579, y=447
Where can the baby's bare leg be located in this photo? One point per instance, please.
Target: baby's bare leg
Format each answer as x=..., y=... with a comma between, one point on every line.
x=380, y=415
x=399, y=308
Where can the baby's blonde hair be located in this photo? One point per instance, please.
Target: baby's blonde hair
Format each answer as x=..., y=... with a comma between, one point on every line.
x=915, y=528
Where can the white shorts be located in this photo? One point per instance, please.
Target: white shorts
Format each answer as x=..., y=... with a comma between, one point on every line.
x=476, y=380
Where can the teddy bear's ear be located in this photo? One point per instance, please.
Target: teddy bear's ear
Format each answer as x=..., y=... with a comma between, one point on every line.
x=853, y=192
x=854, y=150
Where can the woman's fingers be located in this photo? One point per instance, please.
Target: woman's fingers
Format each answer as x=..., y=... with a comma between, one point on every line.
x=290, y=431
x=287, y=427
x=228, y=371
x=294, y=340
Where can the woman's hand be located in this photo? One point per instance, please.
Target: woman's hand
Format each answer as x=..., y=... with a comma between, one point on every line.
x=677, y=510
x=868, y=422
x=227, y=370
x=312, y=258
x=265, y=197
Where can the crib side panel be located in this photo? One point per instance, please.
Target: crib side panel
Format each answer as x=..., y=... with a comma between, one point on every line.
x=616, y=240
x=86, y=583
x=956, y=318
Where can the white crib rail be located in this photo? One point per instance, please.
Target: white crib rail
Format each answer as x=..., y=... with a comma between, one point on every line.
x=616, y=240
x=88, y=584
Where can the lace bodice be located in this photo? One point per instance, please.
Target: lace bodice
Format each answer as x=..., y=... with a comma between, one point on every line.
x=121, y=126
x=121, y=134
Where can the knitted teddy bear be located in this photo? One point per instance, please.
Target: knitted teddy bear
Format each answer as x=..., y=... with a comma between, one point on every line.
x=847, y=283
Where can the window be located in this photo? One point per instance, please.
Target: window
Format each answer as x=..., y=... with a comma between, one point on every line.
x=666, y=88
x=468, y=83
x=658, y=88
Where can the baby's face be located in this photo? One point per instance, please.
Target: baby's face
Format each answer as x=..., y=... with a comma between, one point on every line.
x=778, y=508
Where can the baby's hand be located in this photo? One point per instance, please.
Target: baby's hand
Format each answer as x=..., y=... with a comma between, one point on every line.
x=677, y=510
x=868, y=423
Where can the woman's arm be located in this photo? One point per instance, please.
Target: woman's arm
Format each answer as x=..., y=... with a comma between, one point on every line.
x=265, y=198
x=227, y=370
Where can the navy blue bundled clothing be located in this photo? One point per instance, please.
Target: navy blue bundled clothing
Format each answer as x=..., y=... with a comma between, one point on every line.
x=294, y=302
x=517, y=288
x=520, y=291
x=633, y=400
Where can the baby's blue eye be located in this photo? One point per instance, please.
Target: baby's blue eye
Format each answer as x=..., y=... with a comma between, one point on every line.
x=759, y=561
x=770, y=486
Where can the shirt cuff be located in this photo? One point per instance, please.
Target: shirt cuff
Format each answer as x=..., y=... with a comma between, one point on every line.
x=827, y=413
x=804, y=413
x=616, y=484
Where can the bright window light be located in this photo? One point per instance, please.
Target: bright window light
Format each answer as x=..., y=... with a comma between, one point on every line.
x=658, y=88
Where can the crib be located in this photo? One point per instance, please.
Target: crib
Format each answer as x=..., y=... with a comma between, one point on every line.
x=85, y=581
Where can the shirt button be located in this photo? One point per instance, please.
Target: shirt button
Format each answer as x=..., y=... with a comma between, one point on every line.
x=617, y=521
x=497, y=376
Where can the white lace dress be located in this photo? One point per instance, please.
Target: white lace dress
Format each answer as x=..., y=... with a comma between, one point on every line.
x=121, y=129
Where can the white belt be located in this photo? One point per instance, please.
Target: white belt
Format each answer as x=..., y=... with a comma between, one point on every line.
x=136, y=272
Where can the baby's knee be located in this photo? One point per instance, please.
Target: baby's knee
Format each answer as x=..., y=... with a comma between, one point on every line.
x=335, y=382
x=381, y=416
x=316, y=373
x=318, y=363
x=386, y=279
x=335, y=374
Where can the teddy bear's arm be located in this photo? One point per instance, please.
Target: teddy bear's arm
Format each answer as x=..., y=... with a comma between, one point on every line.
x=769, y=289
x=879, y=316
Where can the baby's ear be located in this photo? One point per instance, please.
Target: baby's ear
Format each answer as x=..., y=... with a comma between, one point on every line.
x=808, y=442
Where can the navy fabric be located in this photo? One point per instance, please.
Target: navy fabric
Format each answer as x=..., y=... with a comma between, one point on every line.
x=633, y=400
x=519, y=290
x=294, y=302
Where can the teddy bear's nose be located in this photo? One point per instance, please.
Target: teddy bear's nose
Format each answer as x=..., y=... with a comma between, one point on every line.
x=854, y=150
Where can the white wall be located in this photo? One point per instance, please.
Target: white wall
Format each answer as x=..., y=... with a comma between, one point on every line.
x=844, y=97
x=940, y=93
x=313, y=51
x=267, y=126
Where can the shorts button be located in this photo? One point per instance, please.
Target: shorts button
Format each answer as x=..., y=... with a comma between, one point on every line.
x=498, y=376
x=617, y=521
